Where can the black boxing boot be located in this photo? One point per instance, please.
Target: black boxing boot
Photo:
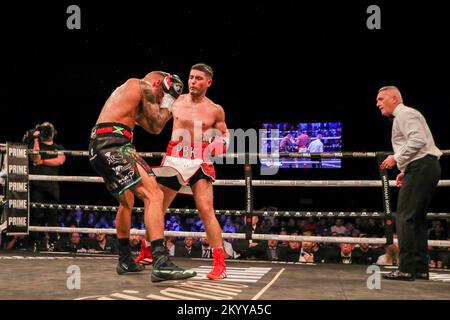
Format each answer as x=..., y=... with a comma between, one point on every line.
x=126, y=263
x=164, y=269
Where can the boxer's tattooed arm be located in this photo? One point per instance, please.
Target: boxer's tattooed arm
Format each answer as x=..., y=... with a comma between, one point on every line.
x=148, y=91
x=152, y=118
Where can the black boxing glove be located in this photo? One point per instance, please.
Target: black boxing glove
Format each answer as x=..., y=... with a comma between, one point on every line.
x=172, y=87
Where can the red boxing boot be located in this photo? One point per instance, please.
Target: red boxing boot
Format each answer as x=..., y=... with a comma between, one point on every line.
x=145, y=255
x=219, y=270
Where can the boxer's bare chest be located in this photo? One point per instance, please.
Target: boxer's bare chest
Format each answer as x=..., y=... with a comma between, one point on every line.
x=188, y=116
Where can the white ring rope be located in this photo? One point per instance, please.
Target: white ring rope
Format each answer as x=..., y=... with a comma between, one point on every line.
x=240, y=182
x=234, y=212
x=132, y=231
x=159, y=154
x=433, y=243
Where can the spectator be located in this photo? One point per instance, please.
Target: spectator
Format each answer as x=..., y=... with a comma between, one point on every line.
x=305, y=251
x=283, y=223
x=190, y=224
x=133, y=223
x=60, y=218
x=222, y=219
x=437, y=232
x=276, y=226
x=390, y=258
x=274, y=251
x=267, y=223
x=135, y=243
x=229, y=252
x=363, y=254
x=67, y=220
x=293, y=250
x=437, y=254
x=251, y=249
x=102, y=243
x=170, y=246
x=365, y=225
x=351, y=231
x=102, y=223
x=228, y=226
x=309, y=225
x=77, y=218
x=299, y=223
x=173, y=224
x=18, y=243
x=186, y=249
x=284, y=243
x=322, y=228
x=199, y=225
x=345, y=256
x=291, y=226
x=109, y=216
x=92, y=235
x=90, y=222
x=374, y=229
x=310, y=251
x=237, y=225
x=205, y=249
x=378, y=250
x=359, y=225
x=140, y=222
x=339, y=227
x=74, y=244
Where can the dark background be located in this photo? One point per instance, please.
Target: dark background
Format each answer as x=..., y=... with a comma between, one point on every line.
x=273, y=61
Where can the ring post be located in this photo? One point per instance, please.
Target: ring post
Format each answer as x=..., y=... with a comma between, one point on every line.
x=248, y=198
x=388, y=222
x=17, y=189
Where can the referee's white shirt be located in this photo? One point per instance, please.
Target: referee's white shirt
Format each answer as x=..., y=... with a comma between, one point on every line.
x=315, y=146
x=411, y=137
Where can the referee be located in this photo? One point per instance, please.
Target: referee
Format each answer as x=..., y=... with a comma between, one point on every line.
x=417, y=158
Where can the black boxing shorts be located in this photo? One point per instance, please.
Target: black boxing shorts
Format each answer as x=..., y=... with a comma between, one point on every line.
x=113, y=156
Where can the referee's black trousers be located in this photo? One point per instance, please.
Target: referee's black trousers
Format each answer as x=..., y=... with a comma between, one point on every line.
x=419, y=183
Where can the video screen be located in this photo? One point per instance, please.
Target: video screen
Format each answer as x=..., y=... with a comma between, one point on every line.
x=301, y=137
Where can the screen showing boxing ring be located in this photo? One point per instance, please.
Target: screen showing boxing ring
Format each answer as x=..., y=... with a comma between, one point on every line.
x=301, y=137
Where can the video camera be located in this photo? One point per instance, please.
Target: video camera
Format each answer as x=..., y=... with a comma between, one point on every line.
x=46, y=132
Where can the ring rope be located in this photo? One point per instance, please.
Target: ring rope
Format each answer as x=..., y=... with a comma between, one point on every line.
x=241, y=182
x=234, y=212
x=434, y=243
x=347, y=154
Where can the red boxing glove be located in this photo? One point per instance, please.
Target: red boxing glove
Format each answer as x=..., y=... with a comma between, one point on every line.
x=218, y=146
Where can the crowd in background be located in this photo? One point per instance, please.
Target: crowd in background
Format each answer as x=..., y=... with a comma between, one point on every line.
x=271, y=250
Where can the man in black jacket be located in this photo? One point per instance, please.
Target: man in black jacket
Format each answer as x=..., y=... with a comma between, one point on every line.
x=251, y=249
x=42, y=138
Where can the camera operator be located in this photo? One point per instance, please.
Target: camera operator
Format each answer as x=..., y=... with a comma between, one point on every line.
x=41, y=138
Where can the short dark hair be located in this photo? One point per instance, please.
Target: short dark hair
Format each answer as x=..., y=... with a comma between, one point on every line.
x=204, y=68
